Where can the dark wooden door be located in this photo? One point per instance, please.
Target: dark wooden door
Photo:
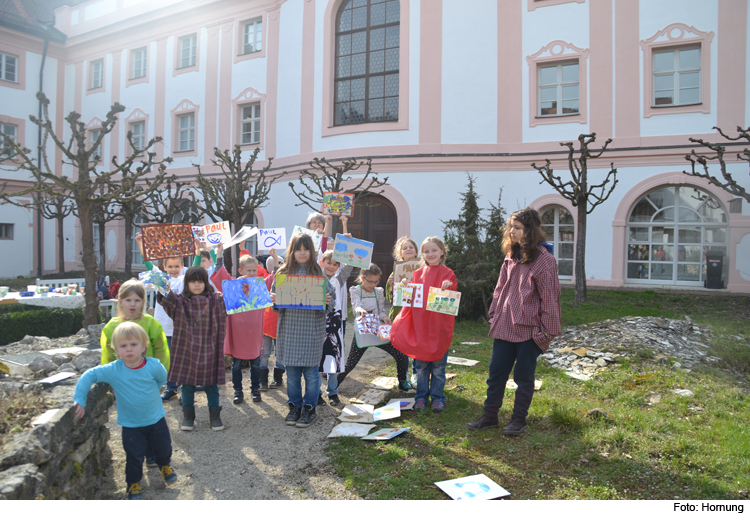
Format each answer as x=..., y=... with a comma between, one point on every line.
x=375, y=220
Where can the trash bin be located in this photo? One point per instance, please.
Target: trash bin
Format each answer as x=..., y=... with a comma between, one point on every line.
x=714, y=264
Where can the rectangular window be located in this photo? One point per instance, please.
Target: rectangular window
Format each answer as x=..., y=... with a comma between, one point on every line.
x=558, y=89
x=97, y=154
x=139, y=134
x=6, y=231
x=188, y=47
x=677, y=77
x=139, y=63
x=250, y=124
x=186, y=133
x=252, y=36
x=97, y=74
x=8, y=67
x=12, y=132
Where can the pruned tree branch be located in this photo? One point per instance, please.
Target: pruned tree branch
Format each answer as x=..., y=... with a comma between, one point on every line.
x=701, y=161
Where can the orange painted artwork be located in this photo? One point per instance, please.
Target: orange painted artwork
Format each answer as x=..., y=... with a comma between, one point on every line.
x=162, y=241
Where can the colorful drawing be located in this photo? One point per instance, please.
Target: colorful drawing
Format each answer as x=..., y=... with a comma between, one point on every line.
x=218, y=233
x=350, y=429
x=405, y=269
x=411, y=295
x=271, y=239
x=341, y=204
x=241, y=235
x=162, y=241
x=352, y=251
x=357, y=413
x=243, y=295
x=386, y=434
x=474, y=487
x=368, y=324
x=387, y=412
x=199, y=232
x=406, y=404
x=155, y=280
x=384, y=331
x=317, y=239
x=305, y=292
x=443, y=301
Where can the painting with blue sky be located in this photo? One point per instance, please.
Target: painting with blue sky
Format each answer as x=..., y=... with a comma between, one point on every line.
x=245, y=294
x=352, y=251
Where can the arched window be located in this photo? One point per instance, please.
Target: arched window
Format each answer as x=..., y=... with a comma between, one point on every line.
x=557, y=223
x=670, y=230
x=367, y=61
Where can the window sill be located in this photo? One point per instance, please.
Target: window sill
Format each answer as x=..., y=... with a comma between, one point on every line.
x=185, y=69
x=11, y=84
x=136, y=80
x=557, y=119
x=692, y=108
x=181, y=153
x=379, y=126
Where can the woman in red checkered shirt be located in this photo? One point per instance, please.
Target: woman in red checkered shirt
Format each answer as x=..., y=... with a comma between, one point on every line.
x=524, y=317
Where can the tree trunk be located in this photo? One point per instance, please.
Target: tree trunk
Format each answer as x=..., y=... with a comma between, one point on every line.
x=128, y=219
x=61, y=247
x=91, y=309
x=580, y=271
x=102, y=249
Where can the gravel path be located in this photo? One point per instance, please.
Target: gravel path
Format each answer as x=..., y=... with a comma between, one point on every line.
x=256, y=456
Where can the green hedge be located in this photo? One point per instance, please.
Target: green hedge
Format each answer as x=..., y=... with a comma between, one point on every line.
x=18, y=320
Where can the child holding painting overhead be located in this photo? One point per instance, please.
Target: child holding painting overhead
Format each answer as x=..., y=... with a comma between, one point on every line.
x=424, y=335
x=301, y=332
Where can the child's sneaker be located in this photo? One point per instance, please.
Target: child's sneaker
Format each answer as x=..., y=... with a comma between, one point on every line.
x=321, y=401
x=239, y=397
x=168, y=395
x=134, y=491
x=168, y=474
x=294, y=413
x=438, y=406
x=333, y=399
x=256, y=396
x=405, y=386
x=414, y=381
x=420, y=405
x=308, y=416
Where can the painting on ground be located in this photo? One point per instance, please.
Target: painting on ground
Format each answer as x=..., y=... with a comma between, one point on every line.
x=306, y=292
x=475, y=487
x=341, y=204
x=162, y=241
x=352, y=251
x=245, y=294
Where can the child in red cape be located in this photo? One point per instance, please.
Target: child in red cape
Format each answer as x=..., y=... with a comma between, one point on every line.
x=426, y=336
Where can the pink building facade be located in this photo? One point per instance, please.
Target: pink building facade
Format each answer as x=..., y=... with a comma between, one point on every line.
x=430, y=90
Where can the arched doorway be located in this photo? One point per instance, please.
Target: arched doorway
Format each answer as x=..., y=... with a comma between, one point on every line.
x=375, y=219
x=670, y=229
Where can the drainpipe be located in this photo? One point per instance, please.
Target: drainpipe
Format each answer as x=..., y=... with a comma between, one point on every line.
x=39, y=164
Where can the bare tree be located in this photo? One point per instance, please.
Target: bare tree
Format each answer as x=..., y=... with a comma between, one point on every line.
x=729, y=184
x=57, y=207
x=162, y=204
x=240, y=190
x=83, y=186
x=582, y=196
x=323, y=176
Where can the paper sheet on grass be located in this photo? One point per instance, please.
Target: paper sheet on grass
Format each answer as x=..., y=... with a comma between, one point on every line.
x=474, y=487
x=387, y=412
x=357, y=413
x=370, y=396
x=453, y=360
x=386, y=434
x=384, y=383
x=350, y=429
x=406, y=404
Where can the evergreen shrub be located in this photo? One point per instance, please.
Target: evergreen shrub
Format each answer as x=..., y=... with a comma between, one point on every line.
x=19, y=320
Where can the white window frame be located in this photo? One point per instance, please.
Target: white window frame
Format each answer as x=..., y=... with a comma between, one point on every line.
x=139, y=139
x=99, y=150
x=97, y=74
x=4, y=58
x=559, y=84
x=139, y=55
x=254, y=124
x=256, y=26
x=192, y=49
x=137, y=258
x=11, y=130
x=675, y=73
x=557, y=242
x=6, y=231
x=187, y=128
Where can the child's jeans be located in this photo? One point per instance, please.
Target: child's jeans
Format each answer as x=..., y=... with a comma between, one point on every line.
x=504, y=355
x=188, y=395
x=254, y=374
x=171, y=385
x=294, y=385
x=430, y=379
x=135, y=441
x=268, y=344
x=332, y=384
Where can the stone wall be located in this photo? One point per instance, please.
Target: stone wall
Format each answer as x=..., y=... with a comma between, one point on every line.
x=63, y=457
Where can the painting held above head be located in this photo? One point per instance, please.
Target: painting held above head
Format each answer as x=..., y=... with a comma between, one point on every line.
x=161, y=241
x=218, y=233
x=352, y=251
x=272, y=238
x=314, y=236
x=341, y=204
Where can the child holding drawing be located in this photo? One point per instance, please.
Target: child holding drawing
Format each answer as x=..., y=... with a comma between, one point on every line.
x=270, y=324
x=426, y=336
x=244, y=337
x=199, y=319
x=301, y=332
x=369, y=299
x=404, y=249
x=524, y=317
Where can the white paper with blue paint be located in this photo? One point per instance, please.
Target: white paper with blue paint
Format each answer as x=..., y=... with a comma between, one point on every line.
x=316, y=238
x=352, y=251
x=271, y=239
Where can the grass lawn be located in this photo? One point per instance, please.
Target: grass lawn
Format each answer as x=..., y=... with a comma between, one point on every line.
x=687, y=448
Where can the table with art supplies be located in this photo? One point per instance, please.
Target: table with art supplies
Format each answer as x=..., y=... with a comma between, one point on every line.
x=63, y=297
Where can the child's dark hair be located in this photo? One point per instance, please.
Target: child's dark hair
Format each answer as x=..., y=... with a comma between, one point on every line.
x=196, y=274
x=289, y=267
x=206, y=254
x=374, y=269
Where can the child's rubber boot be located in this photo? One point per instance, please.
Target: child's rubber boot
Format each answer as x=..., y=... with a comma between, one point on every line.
x=188, y=418
x=214, y=414
x=278, y=378
x=263, y=380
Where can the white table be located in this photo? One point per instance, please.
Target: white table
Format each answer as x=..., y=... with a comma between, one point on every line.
x=52, y=300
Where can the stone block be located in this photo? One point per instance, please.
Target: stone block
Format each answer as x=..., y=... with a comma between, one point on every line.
x=23, y=482
x=87, y=360
x=42, y=364
x=82, y=451
x=95, y=331
x=62, y=423
x=30, y=447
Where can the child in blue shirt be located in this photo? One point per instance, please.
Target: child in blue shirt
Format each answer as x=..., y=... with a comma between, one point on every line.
x=136, y=381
